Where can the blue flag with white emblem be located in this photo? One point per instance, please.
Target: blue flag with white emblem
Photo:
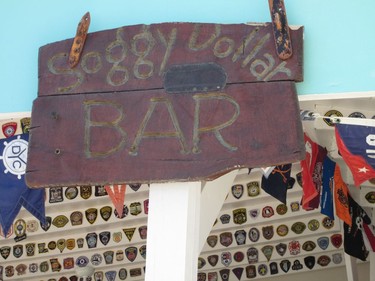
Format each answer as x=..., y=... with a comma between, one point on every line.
x=14, y=192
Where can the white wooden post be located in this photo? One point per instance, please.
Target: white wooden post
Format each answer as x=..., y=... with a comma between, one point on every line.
x=351, y=268
x=173, y=232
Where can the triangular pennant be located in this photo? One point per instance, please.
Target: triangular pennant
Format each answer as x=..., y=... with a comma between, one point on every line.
x=117, y=194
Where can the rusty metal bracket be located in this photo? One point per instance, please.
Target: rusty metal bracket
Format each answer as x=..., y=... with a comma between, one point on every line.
x=79, y=40
x=280, y=29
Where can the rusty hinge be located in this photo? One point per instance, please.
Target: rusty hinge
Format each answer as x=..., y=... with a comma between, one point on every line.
x=280, y=29
x=79, y=40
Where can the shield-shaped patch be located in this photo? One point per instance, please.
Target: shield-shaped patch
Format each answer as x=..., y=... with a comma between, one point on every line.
x=273, y=268
x=285, y=265
x=240, y=236
x=294, y=247
x=336, y=240
x=99, y=276
x=131, y=253
x=226, y=258
x=108, y=257
x=47, y=225
x=56, y=194
x=201, y=276
x=86, y=191
x=254, y=213
x=143, y=231
x=251, y=271
x=337, y=258
x=253, y=188
x=237, y=191
x=324, y=260
x=76, y=218
x=17, y=250
x=224, y=273
x=135, y=186
x=212, y=240
x=267, y=251
x=119, y=255
x=309, y=262
x=100, y=191
x=225, y=218
x=239, y=216
x=238, y=272
x=252, y=255
x=226, y=239
x=117, y=236
x=143, y=251
x=268, y=232
x=91, y=239
x=323, y=242
x=213, y=259
x=5, y=252
x=91, y=215
x=30, y=249
x=106, y=212
x=281, y=249
x=135, y=208
x=104, y=237
x=201, y=262
x=212, y=276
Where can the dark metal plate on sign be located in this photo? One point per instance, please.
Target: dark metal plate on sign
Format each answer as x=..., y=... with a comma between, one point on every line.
x=193, y=78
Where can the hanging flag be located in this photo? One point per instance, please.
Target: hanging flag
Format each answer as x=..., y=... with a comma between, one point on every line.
x=312, y=174
x=370, y=236
x=353, y=237
x=117, y=194
x=276, y=184
x=341, y=195
x=13, y=189
x=326, y=202
x=356, y=144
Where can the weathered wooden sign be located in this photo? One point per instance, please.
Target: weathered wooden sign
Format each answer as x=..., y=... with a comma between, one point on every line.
x=162, y=102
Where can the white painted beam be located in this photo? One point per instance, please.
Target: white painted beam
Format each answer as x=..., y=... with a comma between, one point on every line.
x=173, y=231
x=212, y=199
x=351, y=268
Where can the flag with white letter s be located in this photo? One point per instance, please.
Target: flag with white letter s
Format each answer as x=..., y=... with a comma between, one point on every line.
x=356, y=144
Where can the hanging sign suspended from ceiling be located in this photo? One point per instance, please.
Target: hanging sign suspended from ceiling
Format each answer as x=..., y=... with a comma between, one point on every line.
x=164, y=102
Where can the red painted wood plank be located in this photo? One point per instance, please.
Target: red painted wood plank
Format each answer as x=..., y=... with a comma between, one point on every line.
x=152, y=136
x=137, y=57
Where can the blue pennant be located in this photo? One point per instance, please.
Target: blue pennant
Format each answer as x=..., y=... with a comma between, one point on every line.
x=13, y=189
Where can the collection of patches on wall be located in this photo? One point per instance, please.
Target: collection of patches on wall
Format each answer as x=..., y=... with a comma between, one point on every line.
x=255, y=235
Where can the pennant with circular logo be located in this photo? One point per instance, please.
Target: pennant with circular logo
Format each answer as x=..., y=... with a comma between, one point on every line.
x=226, y=258
x=297, y=265
x=76, y=218
x=9, y=129
x=298, y=227
x=323, y=242
x=237, y=191
x=336, y=240
x=91, y=239
x=212, y=240
x=91, y=215
x=5, y=252
x=252, y=255
x=106, y=212
x=268, y=232
x=251, y=271
x=96, y=259
x=308, y=246
x=238, y=272
x=267, y=251
x=122, y=273
x=104, y=237
x=253, y=188
x=131, y=253
x=324, y=260
x=129, y=232
x=213, y=259
x=60, y=221
x=285, y=265
x=309, y=262
x=294, y=247
x=370, y=197
x=254, y=234
x=71, y=192
x=226, y=239
x=86, y=191
x=56, y=195
x=70, y=243
x=20, y=230
x=239, y=216
x=224, y=273
x=201, y=276
x=17, y=251
x=281, y=249
x=68, y=263
x=240, y=236
x=201, y=262
x=108, y=257
x=273, y=268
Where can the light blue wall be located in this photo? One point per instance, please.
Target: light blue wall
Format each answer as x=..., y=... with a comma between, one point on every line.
x=339, y=36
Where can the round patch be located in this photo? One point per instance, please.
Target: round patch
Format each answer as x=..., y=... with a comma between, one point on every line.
x=254, y=234
x=82, y=261
x=324, y=260
x=313, y=224
x=52, y=245
x=122, y=274
x=253, y=188
x=238, y=256
x=282, y=230
x=328, y=223
x=32, y=226
x=267, y=212
x=15, y=156
x=370, y=197
x=357, y=115
x=331, y=113
x=308, y=246
x=298, y=227
x=281, y=209
x=262, y=269
x=96, y=259
x=71, y=192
